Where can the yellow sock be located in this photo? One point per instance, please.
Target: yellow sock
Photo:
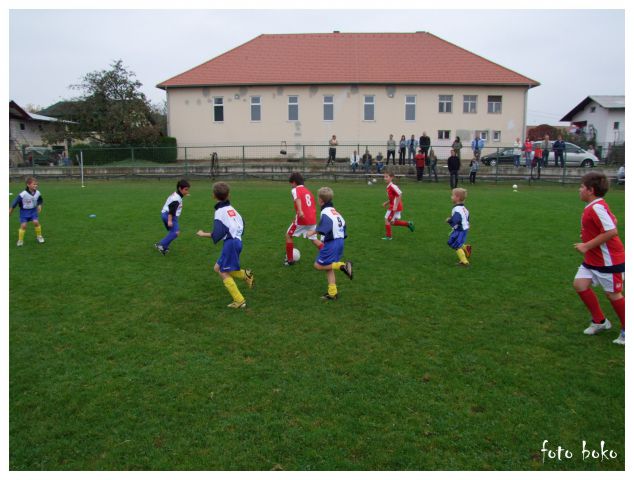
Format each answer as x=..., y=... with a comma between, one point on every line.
x=332, y=289
x=337, y=265
x=462, y=256
x=239, y=274
x=38, y=231
x=231, y=286
x=21, y=234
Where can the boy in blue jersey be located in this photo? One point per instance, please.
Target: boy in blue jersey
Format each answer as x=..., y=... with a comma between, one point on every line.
x=332, y=227
x=459, y=222
x=30, y=202
x=170, y=213
x=228, y=226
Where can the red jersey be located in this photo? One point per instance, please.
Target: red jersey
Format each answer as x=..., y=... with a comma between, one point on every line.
x=308, y=205
x=393, y=192
x=597, y=219
x=420, y=160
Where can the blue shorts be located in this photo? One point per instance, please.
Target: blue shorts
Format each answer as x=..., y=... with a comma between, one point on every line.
x=229, y=260
x=457, y=238
x=175, y=226
x=331, y=252
x=28, y=215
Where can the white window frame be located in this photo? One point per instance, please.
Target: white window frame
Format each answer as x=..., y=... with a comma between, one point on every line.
x=331, y=104
x=220, y=104
x=497, y=135
x=410, y=101
x=483, y=134
x=467, y=104
x=444, y=134
x=494, y=107
x=371, y=103
x=291, y=104
x=256, y=104
x=445, y=101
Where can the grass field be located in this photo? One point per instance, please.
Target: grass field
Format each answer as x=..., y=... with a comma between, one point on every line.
x=122, y=359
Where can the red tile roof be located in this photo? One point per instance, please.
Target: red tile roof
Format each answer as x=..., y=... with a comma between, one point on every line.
x=348, y=58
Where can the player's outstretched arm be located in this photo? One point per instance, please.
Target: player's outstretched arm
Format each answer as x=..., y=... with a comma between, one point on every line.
x=200, y=233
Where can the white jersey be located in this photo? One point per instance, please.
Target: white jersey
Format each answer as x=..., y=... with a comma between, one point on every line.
x=460, y=217
x=227, y=223
x=176, y=199
x=28, y=200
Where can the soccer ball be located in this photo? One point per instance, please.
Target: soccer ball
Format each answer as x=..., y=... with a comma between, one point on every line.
x=514, y=187
x=369, y=182
x=296, y=255
x=374, y=180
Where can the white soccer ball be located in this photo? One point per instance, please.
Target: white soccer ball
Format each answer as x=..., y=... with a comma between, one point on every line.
x=514, y=187
x=374, y=180
x=369, y=182
x=296, y=255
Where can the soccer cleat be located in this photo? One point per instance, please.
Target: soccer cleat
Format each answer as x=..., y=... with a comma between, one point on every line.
x=467, y=250
x=466, y=265
x=386, y=238
x=40, y=239
x=410, y=225
x=327, y=296
x=288, y=263
x=620, y=340
x=595, y=328
x=249, y=278
x=161, y=249
x=347, y=269
x=241, y=304
x=20, y=243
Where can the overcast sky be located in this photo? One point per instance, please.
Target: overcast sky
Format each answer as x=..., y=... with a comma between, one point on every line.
x=572, y=53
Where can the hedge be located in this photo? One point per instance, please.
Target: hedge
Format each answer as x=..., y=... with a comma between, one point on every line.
x=165, y=151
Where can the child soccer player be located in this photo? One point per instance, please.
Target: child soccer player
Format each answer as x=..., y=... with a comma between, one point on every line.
x=333, y=228
x=604, y=255
x=305, y=216
x=394, y=206
x=30, y=202
x=459, y=222
x=170, y=213
x=228, y=226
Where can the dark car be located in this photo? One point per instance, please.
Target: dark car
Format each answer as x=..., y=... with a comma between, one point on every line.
x=502, y=156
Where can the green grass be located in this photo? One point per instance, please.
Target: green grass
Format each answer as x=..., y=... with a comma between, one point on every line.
x=122, y=359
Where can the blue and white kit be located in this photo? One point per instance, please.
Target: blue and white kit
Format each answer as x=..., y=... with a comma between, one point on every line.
x=459, y=221
x=332, y=227
x=228, y=226
x=28, y=203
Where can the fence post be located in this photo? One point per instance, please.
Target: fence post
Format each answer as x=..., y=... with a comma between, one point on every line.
x=244, y=173
x=563, y=173
x=497, y=164
x=132, y=154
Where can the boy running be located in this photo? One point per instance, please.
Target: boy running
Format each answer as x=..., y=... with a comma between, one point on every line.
x=604, y=255
x=332, y=227
x=170, y=213
x=459, y=222
x=228, y=226
x=305, y=216
x=394, y=206
x=30, y=202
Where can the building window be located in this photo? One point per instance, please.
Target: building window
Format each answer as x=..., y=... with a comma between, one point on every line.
x=22, y=126
x=495, y=104
x=617, y=125
x=483, y=134
x=469, y=103
x=293, y=108
x=444, y=103
x=444, y=134
x=593, y=109
x=497, y=135
x=410, y=108
x=329, y=107
x=368, y=107
x=256, y=109
x=219, y=109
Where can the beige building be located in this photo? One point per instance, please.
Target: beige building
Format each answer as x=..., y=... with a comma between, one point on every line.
x=274, y=90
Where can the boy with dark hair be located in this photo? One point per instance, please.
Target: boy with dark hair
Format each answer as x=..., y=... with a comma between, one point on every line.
x=170, y=213
x=604, y=255
x=394, y=205
x=332, y=227
x=305, y=216
x=228, y=226
x=30, y=202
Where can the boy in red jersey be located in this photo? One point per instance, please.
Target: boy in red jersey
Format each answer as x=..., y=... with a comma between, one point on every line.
x=394, y=206
x=305, y=216
x=604, y=255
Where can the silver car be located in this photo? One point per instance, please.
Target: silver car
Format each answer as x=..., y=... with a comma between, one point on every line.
x=574, y=156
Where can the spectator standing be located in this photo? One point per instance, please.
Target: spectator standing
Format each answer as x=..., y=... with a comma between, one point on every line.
x=402, y=146
x=425, y=143
x=456, y=146
x=528, y=150
x=332, y=150
x=453, y=164
x=391, y=150
x=545, y=150
x=420, y=165
x=517, y=152
x=432, y=161
x=558, y=148
x=477, y=144
x=412, y=145
x=354, y=161
x=473, y=170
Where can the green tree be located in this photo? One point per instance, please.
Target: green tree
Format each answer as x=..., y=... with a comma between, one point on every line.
x=111, y=110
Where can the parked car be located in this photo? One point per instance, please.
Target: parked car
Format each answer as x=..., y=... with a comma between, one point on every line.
x=620, y=175
x=575, y=156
